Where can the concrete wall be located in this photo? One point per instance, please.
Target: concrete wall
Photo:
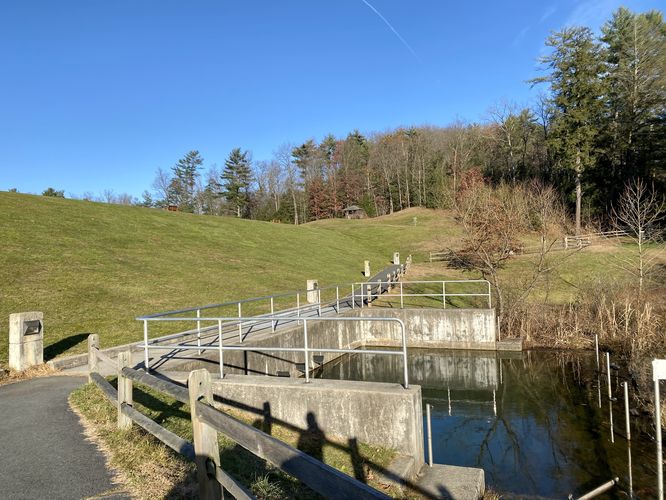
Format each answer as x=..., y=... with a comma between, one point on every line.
x=439, y=328
x=385, y=415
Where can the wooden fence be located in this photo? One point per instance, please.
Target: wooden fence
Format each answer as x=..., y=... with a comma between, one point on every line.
x=566, y=243
x=207, y=421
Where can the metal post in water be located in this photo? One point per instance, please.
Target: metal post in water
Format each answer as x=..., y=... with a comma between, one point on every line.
x=610, y=418
x=305, y=351
x=448, y=393
x=598, y=490
x=599, y=389
x=429, y=427
x=631, y=475
x=494, y=403
x=596, y=348
x=145, y=346
x=220, y=348
x=240, y=323
x=626, y=410
x=610, y=390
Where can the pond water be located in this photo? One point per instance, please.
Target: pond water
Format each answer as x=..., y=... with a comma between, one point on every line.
x=537, y=422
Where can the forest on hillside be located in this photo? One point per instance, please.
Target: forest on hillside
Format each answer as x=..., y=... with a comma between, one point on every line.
x=598, y=123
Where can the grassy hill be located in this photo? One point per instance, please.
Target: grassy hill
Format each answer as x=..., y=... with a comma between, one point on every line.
x=92, y=267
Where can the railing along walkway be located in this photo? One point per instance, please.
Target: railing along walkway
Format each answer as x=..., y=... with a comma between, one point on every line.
x=207, y=421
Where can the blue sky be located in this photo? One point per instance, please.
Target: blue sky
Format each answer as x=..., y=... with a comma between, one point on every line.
x=98, y=94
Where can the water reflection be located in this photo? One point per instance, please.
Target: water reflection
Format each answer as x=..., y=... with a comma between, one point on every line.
x=533, y=421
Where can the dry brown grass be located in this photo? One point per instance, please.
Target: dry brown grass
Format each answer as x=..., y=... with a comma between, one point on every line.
x=11, y=376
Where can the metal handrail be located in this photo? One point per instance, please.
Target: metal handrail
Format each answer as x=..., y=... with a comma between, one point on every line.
x=220, y=347
x=245, y=301
x=368, y=286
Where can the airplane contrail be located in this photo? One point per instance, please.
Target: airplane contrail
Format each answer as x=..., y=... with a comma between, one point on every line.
x=395, y=32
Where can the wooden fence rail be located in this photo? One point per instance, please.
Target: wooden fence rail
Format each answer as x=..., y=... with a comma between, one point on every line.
x=207, y=421
x=566, y=243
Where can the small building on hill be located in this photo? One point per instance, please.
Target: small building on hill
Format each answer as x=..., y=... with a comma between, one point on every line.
x=354, y=212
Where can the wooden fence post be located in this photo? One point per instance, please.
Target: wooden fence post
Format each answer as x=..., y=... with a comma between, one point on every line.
x=93, y=345
x=205, y=437
x=124, y=390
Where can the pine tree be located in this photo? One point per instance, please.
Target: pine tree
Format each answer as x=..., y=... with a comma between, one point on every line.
x=186, y=172
x=236, y=179
x=636, y=98
x=576, y=88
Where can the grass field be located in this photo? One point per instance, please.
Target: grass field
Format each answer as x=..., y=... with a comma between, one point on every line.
x=93, y=267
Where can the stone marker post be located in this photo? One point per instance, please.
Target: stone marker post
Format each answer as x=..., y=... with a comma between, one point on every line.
x=396, y=258
x=26, y=340
x=366, y=268
x=312, y=295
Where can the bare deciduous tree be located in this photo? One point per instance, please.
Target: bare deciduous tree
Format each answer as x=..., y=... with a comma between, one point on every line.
x=638, y=213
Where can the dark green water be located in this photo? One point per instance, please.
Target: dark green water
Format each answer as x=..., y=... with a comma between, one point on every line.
x=537, y=422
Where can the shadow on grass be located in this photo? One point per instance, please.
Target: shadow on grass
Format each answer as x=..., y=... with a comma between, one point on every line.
x=63, y=345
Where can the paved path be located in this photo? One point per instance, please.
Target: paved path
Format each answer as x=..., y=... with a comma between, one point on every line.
x=44, y=453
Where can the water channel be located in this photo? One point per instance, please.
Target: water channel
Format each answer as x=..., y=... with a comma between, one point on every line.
x=539, y=423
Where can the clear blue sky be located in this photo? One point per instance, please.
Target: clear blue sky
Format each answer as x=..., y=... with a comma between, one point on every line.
x=98, y=94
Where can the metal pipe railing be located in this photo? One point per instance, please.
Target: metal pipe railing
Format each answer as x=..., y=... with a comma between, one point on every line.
x=444, y=294
x=306, y=349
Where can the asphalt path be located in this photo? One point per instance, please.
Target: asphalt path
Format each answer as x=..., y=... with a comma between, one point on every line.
x=43, y=450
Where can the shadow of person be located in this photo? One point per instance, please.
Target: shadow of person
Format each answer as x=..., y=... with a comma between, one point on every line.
x=311, y=441
x=357, y=460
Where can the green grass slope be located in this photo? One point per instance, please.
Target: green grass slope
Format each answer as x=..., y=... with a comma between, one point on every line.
x=92, y=267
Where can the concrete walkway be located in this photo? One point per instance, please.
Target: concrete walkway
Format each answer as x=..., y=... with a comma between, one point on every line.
x=45, y=453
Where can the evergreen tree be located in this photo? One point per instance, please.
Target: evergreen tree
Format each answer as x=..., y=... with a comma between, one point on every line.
x=55, y=193
x=636, y=98
x=236, y=179
x=576, y=88
x=186, y=172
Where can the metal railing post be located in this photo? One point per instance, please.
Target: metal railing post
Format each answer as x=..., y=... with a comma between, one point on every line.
x=272, y=312
x=369, y=295
x=402, y=304
x=490, y=297
x=444, y=294
x=337, y=299
x=220, y=347
x=318, y=301
x=145, y=346
x=305, y=351
x=199, y=330
x=240, y=323
x=362, y=294
x=405, y=370
x=353, y=297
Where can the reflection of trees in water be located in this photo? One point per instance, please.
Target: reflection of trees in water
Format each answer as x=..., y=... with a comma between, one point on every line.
x=542, y=411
